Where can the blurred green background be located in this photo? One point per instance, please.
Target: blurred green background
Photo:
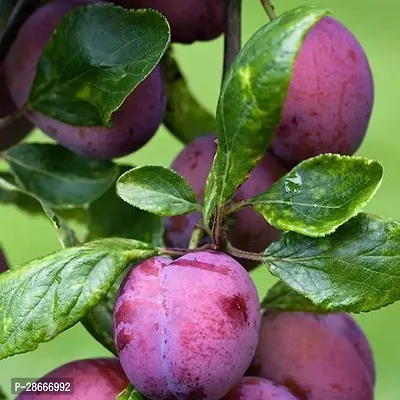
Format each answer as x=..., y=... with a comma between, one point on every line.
x=376, y=26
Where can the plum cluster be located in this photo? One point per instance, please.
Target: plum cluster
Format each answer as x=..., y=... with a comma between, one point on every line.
x=191, y=328
x=327, y=108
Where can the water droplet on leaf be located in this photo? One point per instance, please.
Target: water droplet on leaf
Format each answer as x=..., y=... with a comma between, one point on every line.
x=293, y=183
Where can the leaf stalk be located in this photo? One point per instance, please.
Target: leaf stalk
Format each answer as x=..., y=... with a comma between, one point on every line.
x=269, y=9
x=181, y=252
x=197, y=235
x=233, y=251
x=9, y=119
x=235, y=207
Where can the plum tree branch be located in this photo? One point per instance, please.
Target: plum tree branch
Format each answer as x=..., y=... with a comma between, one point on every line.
x=22, y=10
x=232, y=46
x=269, y=8
x=173, y=252
x=181, y=252
x=233, y=251
x=233, y=31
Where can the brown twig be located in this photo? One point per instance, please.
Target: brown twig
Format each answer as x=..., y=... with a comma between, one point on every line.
x=233, y=31
x=181, y=252
x=232, y=46
x=233, y=251
x=269, y=8
x=9, y=119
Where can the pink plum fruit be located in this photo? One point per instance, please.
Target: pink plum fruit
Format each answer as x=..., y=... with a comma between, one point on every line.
x=330, y=98
x=255, y=388
x=100, y=379
x=190, y=20
x=318, y=357
x=187, y=328
x=132, y=125
x=346, y=325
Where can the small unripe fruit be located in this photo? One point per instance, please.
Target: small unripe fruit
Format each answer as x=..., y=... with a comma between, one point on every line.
x=330, y=98
x=250, y=231
x=190, y=20
x=100, y=379
x=187, y=328
x=15, y=132
x=312, y=355
x=255, y=388
x=132, y=125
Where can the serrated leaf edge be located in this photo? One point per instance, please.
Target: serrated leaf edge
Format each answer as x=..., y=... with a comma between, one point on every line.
x=304, y=231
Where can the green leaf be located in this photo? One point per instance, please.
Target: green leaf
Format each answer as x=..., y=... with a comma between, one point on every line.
x=99, y=322
x=282, y=297
x=355, y=269
x=66, y=235
x=96, y=57
x=110, y=216
x=320, y=194
x=158, y=190
x=130, y=393
x=58, y=176
x=10, y=194
x=45, y=297
x=185, y=117
x=251, y=101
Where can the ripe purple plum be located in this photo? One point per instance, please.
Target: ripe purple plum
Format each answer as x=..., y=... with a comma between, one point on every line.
x=190, y=20
x=100, y=379
x=330, y=98
x=132, y=125
x=187, y=328
x=312, y=355
x=250, y=231
x=346, y=325
x=255, y=388
x=19, y=129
